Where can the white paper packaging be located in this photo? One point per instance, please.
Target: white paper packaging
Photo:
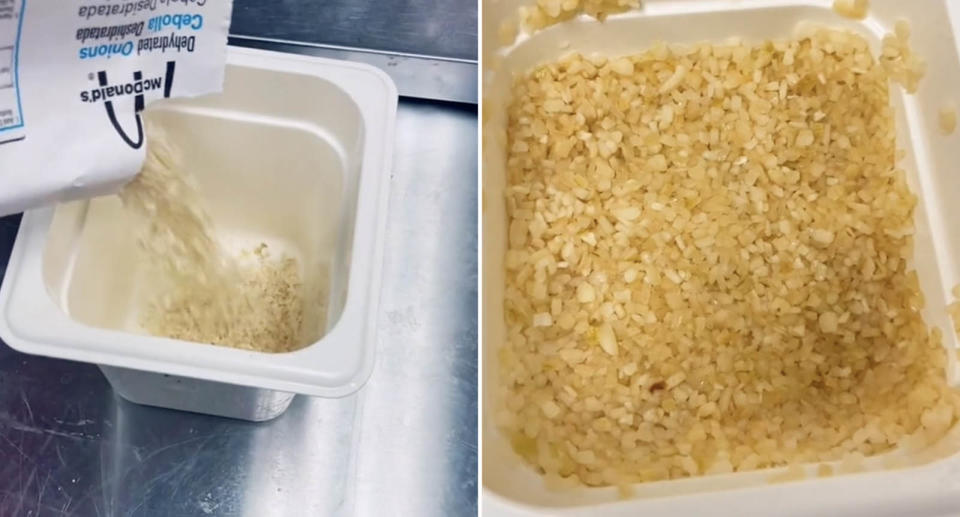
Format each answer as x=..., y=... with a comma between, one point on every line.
x=74, y=76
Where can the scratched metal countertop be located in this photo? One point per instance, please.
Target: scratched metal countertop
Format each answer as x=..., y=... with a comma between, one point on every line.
x=428, y=47
x=406, y=444
x=441, y=28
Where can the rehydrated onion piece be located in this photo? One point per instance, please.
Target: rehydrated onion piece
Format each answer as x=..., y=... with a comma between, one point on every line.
x=903, y=66
x=549, y=12
x=856, y=9
x=947, y=118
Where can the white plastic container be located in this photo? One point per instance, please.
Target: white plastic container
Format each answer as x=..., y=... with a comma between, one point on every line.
x=296, y=152
x=897, y=483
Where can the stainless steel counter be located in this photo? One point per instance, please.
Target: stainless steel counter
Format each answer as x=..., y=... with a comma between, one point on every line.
x=436, y=28
x=428, y=47
x=406, y=444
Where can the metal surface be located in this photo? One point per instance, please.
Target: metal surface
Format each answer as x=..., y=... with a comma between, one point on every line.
x=440, y=28
x=406, y=444
x=419, y=77
x=428, y=47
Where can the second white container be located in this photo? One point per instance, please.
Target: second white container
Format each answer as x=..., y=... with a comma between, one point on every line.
x=901, y=482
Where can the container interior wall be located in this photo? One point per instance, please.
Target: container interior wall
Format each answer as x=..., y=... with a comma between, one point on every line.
x=271, y=168
x=929, y=165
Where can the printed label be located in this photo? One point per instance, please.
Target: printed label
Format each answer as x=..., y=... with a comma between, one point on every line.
x=11, y=116
x=75, y=76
